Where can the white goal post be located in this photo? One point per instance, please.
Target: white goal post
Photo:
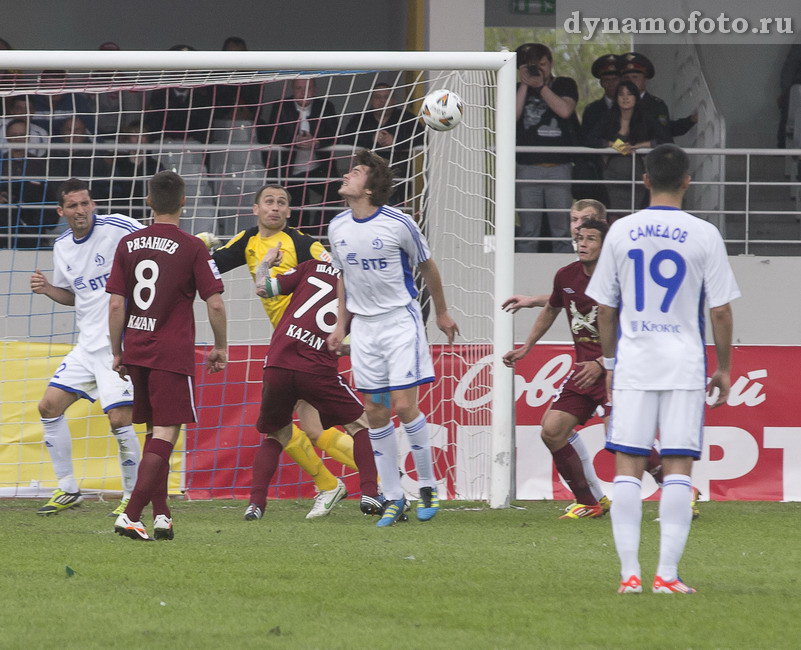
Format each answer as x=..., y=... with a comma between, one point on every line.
x=151, y=68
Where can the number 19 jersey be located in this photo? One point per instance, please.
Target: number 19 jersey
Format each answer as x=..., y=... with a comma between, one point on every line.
x=659, y=267
x=158, y=270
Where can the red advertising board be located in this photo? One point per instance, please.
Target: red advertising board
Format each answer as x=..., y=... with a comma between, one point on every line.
x=752, y=447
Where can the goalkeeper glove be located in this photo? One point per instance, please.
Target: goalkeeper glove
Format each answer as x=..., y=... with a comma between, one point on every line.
x=211, y=240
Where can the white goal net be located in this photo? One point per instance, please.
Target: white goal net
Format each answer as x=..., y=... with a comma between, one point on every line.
x=230, y=125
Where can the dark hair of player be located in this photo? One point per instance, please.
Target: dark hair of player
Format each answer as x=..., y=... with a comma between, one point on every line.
x=72, y=185
x=595, y=224
x=667, y=166
x=379, y=176
x=263, y=189
x=166, y=192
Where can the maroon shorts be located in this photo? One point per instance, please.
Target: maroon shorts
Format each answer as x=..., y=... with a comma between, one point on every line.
x=582, y=402
x=329, y=394
x=161, y=397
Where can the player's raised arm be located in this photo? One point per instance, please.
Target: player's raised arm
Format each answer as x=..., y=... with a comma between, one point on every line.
x=433, y=280
x=40, y=284
x=543, y=323
x=514, y=303
x=722, y=325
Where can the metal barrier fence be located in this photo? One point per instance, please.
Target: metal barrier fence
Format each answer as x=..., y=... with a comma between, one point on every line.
x=755, y=206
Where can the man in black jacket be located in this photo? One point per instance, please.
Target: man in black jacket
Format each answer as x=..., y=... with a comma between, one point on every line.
x=306, y=126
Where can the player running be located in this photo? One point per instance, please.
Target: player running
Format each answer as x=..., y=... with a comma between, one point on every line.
x=271, y=205
x=584, y=390
x=82, y=259
x=154, y=278
x=376, y=248
x=657, y=269
x=299, y=366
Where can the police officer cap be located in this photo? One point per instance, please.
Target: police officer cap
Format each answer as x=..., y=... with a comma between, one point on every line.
x=608, y=64
x=636, y=62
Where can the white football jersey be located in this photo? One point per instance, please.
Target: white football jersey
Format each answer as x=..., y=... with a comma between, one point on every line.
x=83, y=266
x=377, y=256
x=659, y=267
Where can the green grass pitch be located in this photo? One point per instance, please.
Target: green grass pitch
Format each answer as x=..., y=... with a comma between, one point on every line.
x=471, y=578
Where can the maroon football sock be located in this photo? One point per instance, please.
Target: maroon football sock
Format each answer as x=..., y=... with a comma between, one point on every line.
x=159, y=497
x=568, y=464
x=365, y=461
x=264, y=466
x=654, y=466
x=150, y=476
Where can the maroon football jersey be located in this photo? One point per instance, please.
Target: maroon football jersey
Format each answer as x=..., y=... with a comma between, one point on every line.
x=299, y=341
x=569, y=286
x=158, y=270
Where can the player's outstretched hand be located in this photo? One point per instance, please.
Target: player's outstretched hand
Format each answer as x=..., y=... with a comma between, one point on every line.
x=211, y=240
x=517, y=302
x=216, y=360
x=39, y=282
x=271, y=258
x=448, y=326
x=116, y=366
x=587, y=373
x=722, y=382
x=335, y=340
x=512, y=356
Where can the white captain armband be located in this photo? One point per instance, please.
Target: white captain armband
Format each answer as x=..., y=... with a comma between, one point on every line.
x=268, y=287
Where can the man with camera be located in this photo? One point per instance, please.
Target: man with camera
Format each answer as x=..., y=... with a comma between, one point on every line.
x=546, y=117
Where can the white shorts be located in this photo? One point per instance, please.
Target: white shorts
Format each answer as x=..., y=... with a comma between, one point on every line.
x=89, y=375
x=390, y=352
x=637, y=415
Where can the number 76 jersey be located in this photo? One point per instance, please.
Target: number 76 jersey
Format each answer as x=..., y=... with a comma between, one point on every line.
x=660, y=267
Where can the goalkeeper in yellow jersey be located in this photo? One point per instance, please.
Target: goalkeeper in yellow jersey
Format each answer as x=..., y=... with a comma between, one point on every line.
x=272, y=208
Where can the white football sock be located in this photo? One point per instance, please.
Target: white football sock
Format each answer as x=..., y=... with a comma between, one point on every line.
x=589, y=469
x=626, y=520
x=675, y=517
x=58, y=441
x=420, y=442
x=130, y=455
x=385, y=451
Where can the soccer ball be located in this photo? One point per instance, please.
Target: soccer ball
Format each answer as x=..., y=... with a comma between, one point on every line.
x=442, y=110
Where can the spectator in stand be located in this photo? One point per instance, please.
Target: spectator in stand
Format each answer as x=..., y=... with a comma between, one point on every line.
x=19, y=107
x=116, y=108
x=77, y=161
x=52, y=110
x=306, y=125
x=790, y=75
x=638, y=68
x=546, y=117
x=388, y=129
x=606, y=70
x=627, y=127
x=236, y=102
x=26, y=189
x=130, y=171
x=180, y=113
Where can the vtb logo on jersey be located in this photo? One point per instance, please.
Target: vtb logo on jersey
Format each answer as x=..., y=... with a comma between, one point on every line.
x=350, y=258
x=79, y=283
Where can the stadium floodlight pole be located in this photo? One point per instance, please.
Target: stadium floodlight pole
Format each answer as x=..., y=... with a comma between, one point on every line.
x=502, y=455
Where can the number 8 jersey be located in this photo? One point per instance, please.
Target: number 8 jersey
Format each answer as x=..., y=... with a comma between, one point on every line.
x=158, y=270
x=659, y=267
